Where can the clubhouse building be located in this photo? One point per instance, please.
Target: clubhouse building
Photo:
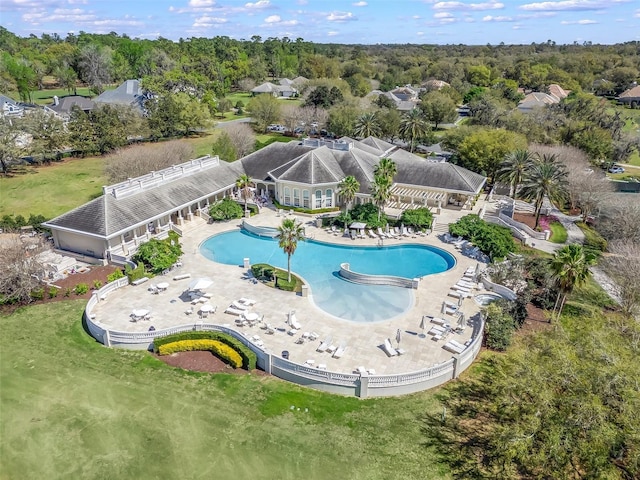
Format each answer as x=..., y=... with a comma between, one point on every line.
x=301, y=174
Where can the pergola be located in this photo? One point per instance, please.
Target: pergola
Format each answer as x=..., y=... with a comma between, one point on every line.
x=417, y=196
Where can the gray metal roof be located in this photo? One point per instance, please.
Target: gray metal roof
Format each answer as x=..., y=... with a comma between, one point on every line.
x=315, y=167
x=128, y=93
x=106, y=216
x=65, y=104
x=258, y=164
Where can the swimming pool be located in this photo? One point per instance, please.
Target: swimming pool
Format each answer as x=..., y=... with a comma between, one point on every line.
x=318, y=263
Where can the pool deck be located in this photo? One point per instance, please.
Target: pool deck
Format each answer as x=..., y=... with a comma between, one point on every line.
x=362, y=340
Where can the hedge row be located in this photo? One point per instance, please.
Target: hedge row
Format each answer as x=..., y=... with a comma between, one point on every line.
x=219, y=349
x=249, y=358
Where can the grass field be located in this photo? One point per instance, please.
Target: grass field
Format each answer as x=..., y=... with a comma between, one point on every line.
x=74, y=409
x=52, y=190
x=558, y=233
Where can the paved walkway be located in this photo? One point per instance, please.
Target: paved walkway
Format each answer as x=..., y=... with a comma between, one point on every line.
x=362, y=340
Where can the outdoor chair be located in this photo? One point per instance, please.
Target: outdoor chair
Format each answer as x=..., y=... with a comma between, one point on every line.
x=323, y=345
x=340, y=351
x=233, y=311
x=388, y=349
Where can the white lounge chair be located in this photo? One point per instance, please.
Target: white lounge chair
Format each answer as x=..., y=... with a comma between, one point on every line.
x=457, y=294
x=293, y=321
x=323, y=345
x=340, y=351
x=233, y=311
x=372, y=234
x=381, y=234
x=239, y=306
x=247, y=301
x=388, y=349
x=331, y=349
x=438, y=321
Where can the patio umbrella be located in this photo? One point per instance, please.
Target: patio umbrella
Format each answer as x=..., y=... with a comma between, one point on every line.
x=200, y=283
x=398, y=337
x=423, y=326
x=461, y=320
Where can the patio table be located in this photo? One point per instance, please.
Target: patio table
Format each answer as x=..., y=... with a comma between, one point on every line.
x=162, y=286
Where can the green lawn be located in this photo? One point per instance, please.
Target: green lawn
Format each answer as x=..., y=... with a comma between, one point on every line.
x=52, y=190
x=74, y=409
x=558, y=233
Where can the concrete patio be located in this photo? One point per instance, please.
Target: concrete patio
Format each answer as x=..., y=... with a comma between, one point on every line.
x=362, y=340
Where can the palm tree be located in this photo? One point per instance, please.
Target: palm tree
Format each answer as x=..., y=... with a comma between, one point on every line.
x=545, y=178
x=290, y=232
x=244, y=184
x=570, y=267
x=347, y=189
x=413, y=127
x=386, y=168
x=368, y=125
x=513, y=169
x=381, y=192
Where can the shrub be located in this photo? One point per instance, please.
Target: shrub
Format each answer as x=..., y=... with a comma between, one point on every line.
x=219, y=349
x=283, y=283
x=97, y=284
x=225, y=209
x=67, y=292
x=493, y=240
x=419, y=218
x=499, y=328
x=368, y=213
x=81, y=289
x=117, y=274
x=593, y=242
x=37, y=294
x=249, y=358
x=53, y=292
x=262, y=271
x=134, y=273
x=158, y=255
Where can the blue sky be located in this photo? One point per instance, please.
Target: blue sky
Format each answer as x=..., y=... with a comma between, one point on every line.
x=355, y=21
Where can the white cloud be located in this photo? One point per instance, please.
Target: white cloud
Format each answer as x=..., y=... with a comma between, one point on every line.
x=272, y=19
x=491, y=5
x=360, y=4
x=416, y=17
x=578, y=22
x=571, y=5
x=490, y=18
x=332, y=33
x=637, y=13
x=201, y=3
x=114, y=22
x=258, y=4
x=208, y=21
x=341, y=17
x=443, y=15
x=419, y=34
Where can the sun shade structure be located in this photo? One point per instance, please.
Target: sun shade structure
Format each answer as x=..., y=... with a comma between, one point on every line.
x=200, y=283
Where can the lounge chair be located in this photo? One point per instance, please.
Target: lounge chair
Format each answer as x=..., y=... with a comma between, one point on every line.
x=340, y=351
x=391, y=234
x=372, y=234
x=360, y=370
x=331, y=349
x=353, y=235
x=188, y=311
x=323, y=345
x=239, y=306
x=458, y=294
x=438, y=321
x=233, y=311
x=381, y=234
x=313, y=336
x=411, y=232
x=293, y=321
x=388, y=349
x=247, y=301
x=405, y=233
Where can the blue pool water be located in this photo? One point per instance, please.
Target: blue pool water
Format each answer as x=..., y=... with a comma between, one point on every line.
x=318, y=263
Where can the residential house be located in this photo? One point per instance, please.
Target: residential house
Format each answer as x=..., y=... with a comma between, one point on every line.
x=631, y=97
x=130, y=93
x=539, y=99
x=9, y=107
x=433, y=84
x=62, y=106
x=285, y=91
x=303, y=174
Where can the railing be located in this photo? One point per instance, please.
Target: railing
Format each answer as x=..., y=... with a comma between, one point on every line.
x=499, y=289
x=361, y=385
x=525, y=228
x=519, y=234
x=260, y=231
x=176, y=229
x=365, y=279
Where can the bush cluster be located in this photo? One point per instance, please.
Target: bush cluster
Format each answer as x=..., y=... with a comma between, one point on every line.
x=420, y=218
x=499, y=327
x=158, y=255
x=493, y=240
x=225, y=209
x=249, y=358
x=134, y=273
x=117, y=274
x=81, y=289
x=219, y=349
x=11, y=223
x=594, y=243
x=304, y=210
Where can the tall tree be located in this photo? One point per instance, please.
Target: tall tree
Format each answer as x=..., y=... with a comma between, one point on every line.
x=513, y=169
x=483, y=150
x=48, y=133
x=367, y=125
x=570, y=267
x=381, y=192
x=545, y=178
x=413, y=127
x=347, y=189
x=438, y=108
x=265, y=109
x=244, y=184
x=95, y=65
x=290, y=232
x=386, y=168
x=10, y=149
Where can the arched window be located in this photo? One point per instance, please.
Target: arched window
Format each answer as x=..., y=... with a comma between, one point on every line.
x=287, y=196
x=305, y=199
x=296, y=197
x=318, y=199
x=328, y=197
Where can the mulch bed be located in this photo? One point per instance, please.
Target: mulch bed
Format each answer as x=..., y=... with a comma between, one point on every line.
x=203, y=361
x=527, y=218
x=536, y=321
